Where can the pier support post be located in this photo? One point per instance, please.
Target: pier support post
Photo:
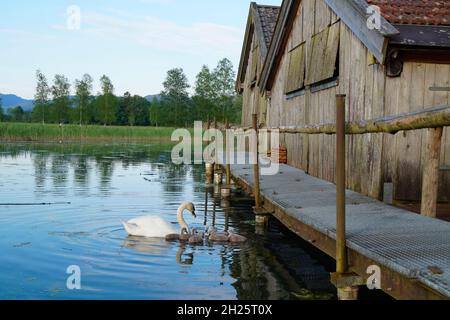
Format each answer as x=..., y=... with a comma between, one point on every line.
x=257, y=192
x=209, y=167
x=342, y=277
x=228, y=154
x=341, y=249
x=348, y=293
x=430, y=184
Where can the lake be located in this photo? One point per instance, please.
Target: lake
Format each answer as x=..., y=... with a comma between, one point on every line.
x=89, y=189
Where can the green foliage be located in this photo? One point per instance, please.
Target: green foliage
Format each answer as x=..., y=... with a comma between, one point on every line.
x=108, y=102
x=17, y=114
x=41, y=98
x=61, y=102
x=74, y=133
x=2, y=114
x=83, y=89
x=213, y=98
x=214, y=93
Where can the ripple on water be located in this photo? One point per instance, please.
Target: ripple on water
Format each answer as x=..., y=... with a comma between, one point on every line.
x=103, y=189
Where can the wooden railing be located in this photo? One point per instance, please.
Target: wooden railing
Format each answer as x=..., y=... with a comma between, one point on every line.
x=433, y=119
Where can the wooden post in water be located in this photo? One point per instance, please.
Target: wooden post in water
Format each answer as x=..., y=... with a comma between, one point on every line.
x=209, y=166
x=256, y=166
x=430, y=184
x=228, y=156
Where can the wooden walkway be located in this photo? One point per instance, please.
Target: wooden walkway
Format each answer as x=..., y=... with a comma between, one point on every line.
x=412, y=251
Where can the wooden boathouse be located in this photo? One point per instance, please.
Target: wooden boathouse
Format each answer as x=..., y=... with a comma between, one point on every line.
x=360, y=92
x=321, y=48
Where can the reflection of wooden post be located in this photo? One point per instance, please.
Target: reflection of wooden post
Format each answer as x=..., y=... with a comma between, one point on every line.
x=216, y=165
x=205, y=222
x=256, y=166
x=228, y=152
x=430, y=184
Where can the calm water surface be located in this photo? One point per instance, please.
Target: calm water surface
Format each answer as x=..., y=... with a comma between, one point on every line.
x=92, y=188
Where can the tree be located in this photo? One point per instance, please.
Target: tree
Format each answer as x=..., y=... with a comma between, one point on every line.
x=155, y=111
x=17, y=114
x=138, y=112
x=107, y=105
x=83, y=90
x=175, y=98
x=41, y=98
x=2, y=115
x=224, y=79
x=61, y=102
x=123, y=109
x=204, y=84
x=176, y=84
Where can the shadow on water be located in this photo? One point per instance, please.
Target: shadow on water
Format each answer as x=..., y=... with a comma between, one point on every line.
x=109, y=183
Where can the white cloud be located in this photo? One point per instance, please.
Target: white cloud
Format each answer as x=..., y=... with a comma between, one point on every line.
x=197, y=38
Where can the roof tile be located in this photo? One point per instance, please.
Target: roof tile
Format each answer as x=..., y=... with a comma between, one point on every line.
x=420, y=12
x=269, y=16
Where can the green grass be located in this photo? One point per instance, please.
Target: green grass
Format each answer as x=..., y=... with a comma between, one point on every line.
x=33, y=132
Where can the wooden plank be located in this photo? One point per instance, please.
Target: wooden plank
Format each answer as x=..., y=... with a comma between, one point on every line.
x=379, y=93
x=443, y=80
x=322, y=16
x=317, y=56
x=430, y=183
x=409, y=182
x=391, y=101
x=329, y=63
x=296, y=72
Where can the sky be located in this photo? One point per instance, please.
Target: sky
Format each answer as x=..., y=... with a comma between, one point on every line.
x=134, y=42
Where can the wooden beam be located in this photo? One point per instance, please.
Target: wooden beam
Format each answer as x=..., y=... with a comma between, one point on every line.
x=430, y=183
x=434, y=117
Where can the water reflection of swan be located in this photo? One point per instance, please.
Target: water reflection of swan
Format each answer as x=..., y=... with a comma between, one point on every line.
x=156, y=227
x=156, y=246
x=152, y=246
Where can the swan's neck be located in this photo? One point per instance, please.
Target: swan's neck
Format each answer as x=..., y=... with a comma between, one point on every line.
x=181, y=220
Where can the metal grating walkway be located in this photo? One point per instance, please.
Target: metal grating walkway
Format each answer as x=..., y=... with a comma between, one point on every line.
x=405, y=242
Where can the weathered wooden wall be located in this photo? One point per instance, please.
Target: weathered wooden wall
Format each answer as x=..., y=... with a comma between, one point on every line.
x=253, y=100
x=374, y=158
x=404, y=152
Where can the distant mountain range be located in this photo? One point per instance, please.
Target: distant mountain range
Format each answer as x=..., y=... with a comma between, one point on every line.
x=11, y=101
x=151, y=97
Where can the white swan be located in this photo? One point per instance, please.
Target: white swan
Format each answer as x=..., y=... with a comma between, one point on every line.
x=155, y=227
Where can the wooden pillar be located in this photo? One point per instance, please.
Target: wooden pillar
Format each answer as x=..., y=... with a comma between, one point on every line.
x=228, y=156
x=430, y=183
x=341, y=250
x=256, y=166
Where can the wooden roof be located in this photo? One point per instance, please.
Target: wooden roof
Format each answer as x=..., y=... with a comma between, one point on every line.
x=262, y=20
x=417, y=12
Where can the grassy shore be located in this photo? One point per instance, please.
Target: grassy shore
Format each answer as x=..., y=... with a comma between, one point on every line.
x=33, y=132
